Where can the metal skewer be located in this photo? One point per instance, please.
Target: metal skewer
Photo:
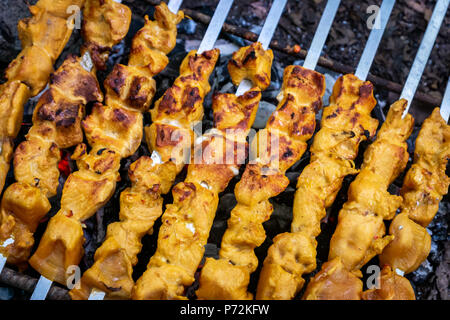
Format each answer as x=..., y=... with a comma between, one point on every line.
x=321, y=34
x=445, y=105
x=415, y=74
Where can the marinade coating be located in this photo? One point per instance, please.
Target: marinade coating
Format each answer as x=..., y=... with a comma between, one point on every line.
x=277, y=147
x=346, y=122
x=114, y=131
x=56, y=124
x=252, y=63
x=424, y=186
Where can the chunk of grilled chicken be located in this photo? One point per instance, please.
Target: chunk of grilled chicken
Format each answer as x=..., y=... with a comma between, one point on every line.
x=334, y=282
x=56, y=124
x=187, y=222
x=423, y=188
x=170, y=133
x=391, y=287
x=346, y=122
x=114, y=131
x=43, y=37
x=359, y=235
x=277, y=147
x=140, y=206
x=105, y=24
x=13, y=96
x=252, y=63
x=114, y=260
x=84, y=192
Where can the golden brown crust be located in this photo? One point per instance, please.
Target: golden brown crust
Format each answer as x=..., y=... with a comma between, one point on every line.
x=391, y=287
x=105, y=24
x=423, y=188
x=334, y=282
x=187, y=222
x=170, y=133
x=360, y=230
x=277, y=147
x=118, y=126
x=252, y=63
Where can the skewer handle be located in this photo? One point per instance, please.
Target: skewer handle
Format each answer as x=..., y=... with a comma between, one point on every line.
x=41, y=290
x=321, y=34
x=2, y=262
x=174, y=5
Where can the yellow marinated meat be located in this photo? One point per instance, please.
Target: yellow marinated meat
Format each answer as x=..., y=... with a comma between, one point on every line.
x=105, y=24
x=360, y=232
x=359, y=235
x=334, y=282
x=423, y=188
x=391, y=287
x=170, y=133
x=215, y=160
x=114, y=131
x=187, y=222
x=346, y=122
x=43, y=37
x=251, y=63
x=56, y=124
x=277, y=147
x=13, y=96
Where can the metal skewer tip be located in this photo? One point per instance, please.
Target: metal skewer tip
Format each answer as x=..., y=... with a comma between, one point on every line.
x=2, y=262
x=374, y=40
x=424, y=51
x=270, y=25
x=215, y=25
x=41, y=290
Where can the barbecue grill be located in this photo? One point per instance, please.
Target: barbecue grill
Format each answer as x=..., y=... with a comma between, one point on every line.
x=422, y=279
